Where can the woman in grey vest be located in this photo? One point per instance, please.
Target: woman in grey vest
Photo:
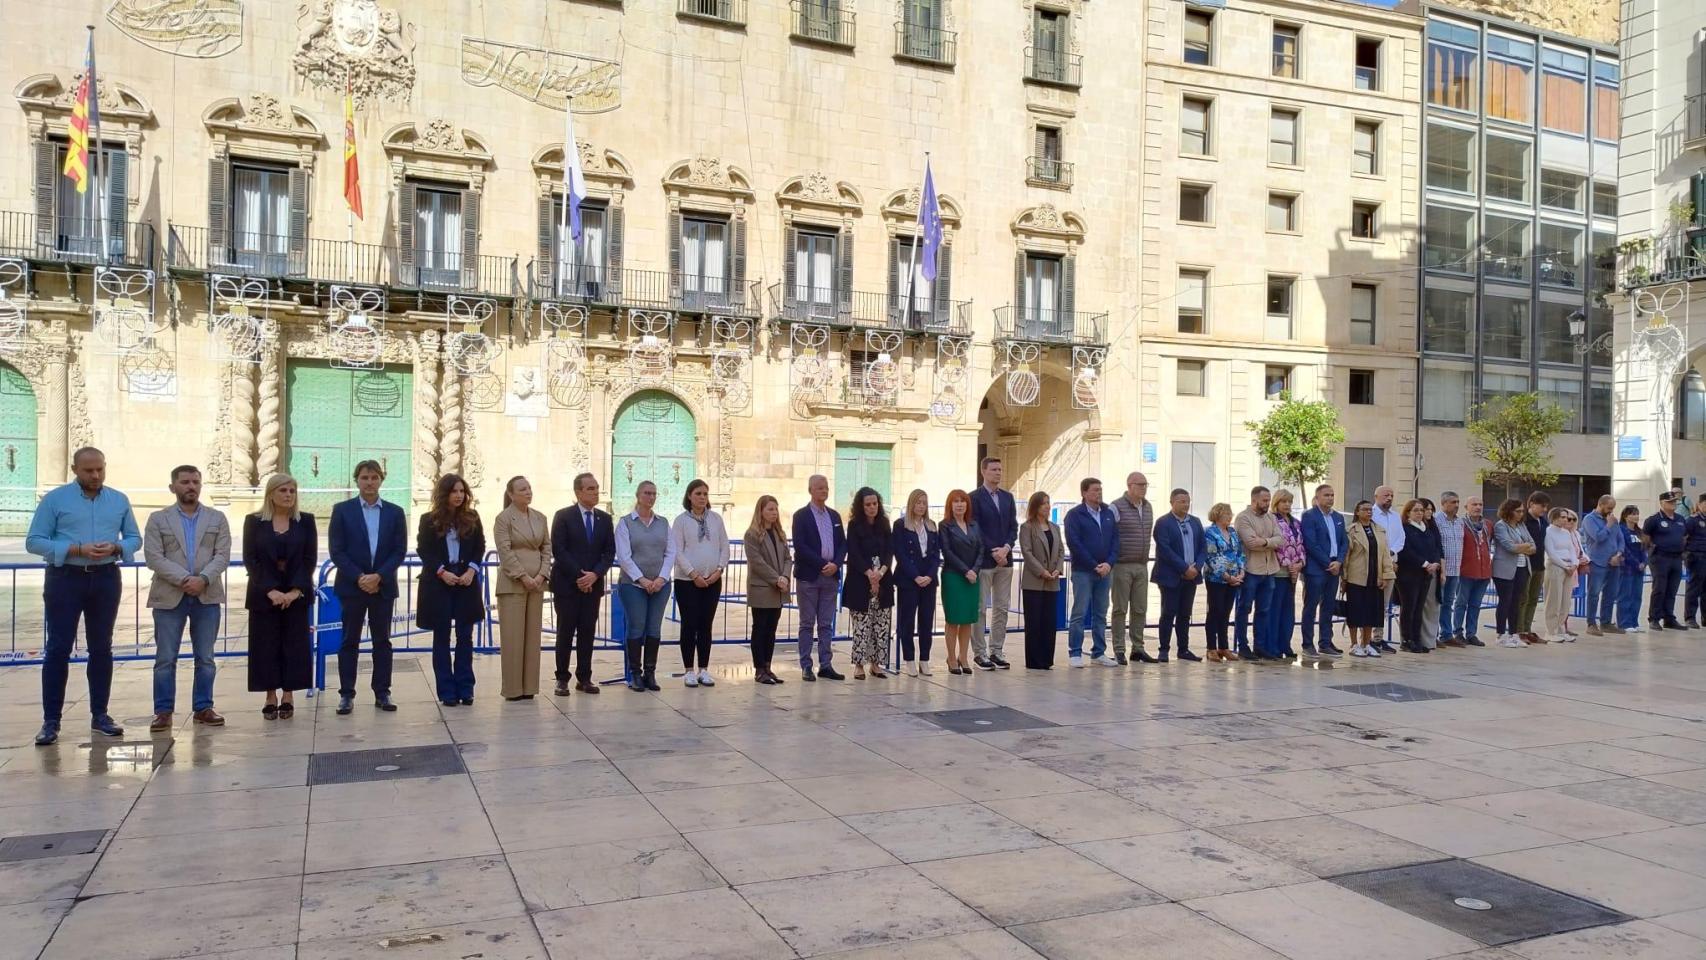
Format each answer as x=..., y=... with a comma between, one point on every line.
x=646, y=553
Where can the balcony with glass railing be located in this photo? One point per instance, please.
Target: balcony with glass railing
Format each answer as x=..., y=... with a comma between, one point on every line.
x=731, y=12
x=924, y=44
x=95, y=241
x=829, y=22
x=1053, y=67
x=1050, y=326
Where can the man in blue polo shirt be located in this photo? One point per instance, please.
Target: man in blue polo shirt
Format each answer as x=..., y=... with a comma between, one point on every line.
x=84, y=530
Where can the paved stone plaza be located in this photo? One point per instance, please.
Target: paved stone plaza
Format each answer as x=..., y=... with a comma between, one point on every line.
x=1176, y=811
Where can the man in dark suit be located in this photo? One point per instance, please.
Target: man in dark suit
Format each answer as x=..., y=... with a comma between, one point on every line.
x=1325, y=546
x=368, y=540
x=820, y=550
x=583, y=547
x=1180, y=551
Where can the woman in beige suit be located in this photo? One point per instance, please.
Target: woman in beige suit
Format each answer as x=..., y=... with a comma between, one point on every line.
x=1044, y=550
x=523, y=539
x=768, y=564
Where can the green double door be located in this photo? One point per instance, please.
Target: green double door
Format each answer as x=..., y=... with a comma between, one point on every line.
x=17, y=451
x=864, y=465
x=655, y=439
x=339, y=418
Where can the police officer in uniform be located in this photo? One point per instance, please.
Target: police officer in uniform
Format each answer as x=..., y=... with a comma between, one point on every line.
x=1666, y=532
x=1694, y=553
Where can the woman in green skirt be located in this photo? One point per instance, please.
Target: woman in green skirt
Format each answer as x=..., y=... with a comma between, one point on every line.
x=962, y=555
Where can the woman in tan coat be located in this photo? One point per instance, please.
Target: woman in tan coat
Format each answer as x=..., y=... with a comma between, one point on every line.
x=522, y=536
x=1368, y=569
x=1044, y=550
x=768, y=563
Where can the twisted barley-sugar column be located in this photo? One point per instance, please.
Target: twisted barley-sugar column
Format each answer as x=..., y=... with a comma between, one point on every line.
x=243, y=422
x=426, y=408
x=269, y=435
x=450, y=424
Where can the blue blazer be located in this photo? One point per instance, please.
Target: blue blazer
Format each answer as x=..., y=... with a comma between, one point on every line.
x=347, y=544
x=1170, y=551
x=910, y=562
x=809, y=552
x=1317, y=550
x=1088, y=543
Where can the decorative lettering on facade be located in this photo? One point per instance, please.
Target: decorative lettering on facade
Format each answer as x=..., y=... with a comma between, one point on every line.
x=547, y=77
x=359, y=40
x=200, y=29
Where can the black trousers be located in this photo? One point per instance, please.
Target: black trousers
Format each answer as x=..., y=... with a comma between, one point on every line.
x=915, y=616
x=1220, y=599
x=375, y=611
x=1694, y=601
x=698, y=606
x=1039, y=607
x=1510, y=597
x=1413, y=584
x=1667, y=577
x=1176, y=604
x=577, y=622
x=764, y=621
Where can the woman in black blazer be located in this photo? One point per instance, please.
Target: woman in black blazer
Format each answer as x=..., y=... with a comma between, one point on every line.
x=280, y=548
x=1418, y=572
x=868, y=591
x=451, y=546
x=917, y=571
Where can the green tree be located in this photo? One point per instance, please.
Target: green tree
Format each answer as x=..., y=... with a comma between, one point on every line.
x=1513, y=435
x=1296, y=440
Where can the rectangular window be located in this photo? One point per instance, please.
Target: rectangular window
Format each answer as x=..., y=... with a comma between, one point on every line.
x=1193, y=472
x=1599, y=407
x=1191, y=378
x=1282, y=213
x=1280, y=306
x=1365, y=148
x=816, y=286
x=1509, y=161
x=1604, y=263
x=1365, y=470
x=1276, y=382
x=1556, y=344
x=1505, y=327
x=78, y=223
x=1286, y=40
x=1199, y=37
x=1563, y=86
x=704, y=262
x=1367, y=63
x=1195, y=136
x=1451, y=64
x=1043, y=316
x=1605, y=199
x=1506, y=249
x=1510, y=78
x=1365, y=220
x=1363, y=298
x=1451, y=158
x=1446, y=394
x=1050, y=50
x=1362, y=388
x=1448, y=320
x=1191, y=297
x=1562, y=189
x=1500, y=382
x=908, y=258
x=260, y=217
x=1558, y=255
x=1564, y=390
x=438, y=236
x=1448, y=237
x=1194, y=203
x=1282, y=137
x=581, y=264
x=1051, y=151
x=1605, y=107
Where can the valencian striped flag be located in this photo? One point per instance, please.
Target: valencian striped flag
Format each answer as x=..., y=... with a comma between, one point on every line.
x=85, y=113
x=352, y=167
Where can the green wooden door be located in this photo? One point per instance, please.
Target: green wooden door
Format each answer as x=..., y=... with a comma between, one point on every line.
x=863, y=465
x=339, y=418
x=655, y=439
x=17, y=451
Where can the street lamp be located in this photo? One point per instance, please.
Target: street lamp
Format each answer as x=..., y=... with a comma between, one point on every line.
x=1578, y=322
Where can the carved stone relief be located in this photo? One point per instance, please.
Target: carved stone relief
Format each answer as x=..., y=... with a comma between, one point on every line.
x=360, y=40
x=200, y=29
x=546, y=77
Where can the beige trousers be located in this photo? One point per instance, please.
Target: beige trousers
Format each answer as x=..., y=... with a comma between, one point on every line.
x=1558, y=584
x=520, y=624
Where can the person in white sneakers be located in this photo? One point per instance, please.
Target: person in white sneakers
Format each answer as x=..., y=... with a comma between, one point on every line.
x=700, y=544
x=1564, y=559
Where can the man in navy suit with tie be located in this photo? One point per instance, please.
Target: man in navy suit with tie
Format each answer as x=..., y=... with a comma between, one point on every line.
x=368, y=541
x=820, y=550
x=1324, y=549
x=1180, y=552
x=583, y=548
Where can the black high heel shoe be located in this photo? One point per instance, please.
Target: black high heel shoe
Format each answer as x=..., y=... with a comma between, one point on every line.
x=270, y=711
x=286, y=710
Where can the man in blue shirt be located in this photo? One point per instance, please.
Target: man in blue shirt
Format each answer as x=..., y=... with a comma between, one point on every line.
x=368, y=541
x=84, y=530
x=997, y=519
x=1664, y=530
x=1325, y=546
x=1602, y=540
x=1694, y=562
x=1093, y=540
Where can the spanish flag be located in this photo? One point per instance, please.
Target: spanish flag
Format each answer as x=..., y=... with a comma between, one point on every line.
x=85, y=112
x=352, y=167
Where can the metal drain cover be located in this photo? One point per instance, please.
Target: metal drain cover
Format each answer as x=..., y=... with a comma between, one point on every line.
x=1394, y=692
x=1483, y=904
x=984, y=720
x=391, y=763
x=41, y=846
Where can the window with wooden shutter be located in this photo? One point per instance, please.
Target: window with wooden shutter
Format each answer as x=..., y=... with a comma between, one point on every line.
x=407, y=272
x=121, y=247
x=545, y=254
x=1018, y=289
x=790, y=265
x=737, y=268
x=298, y=238
x=1068, y=294
x=844, y=283
x=471, y=240
x=615, y=232
x=944, y=277
x=46, y=174
x=218, y=224
x=677, y=283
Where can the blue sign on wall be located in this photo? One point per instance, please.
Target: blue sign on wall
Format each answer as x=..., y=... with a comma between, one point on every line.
x=1151, y=453
x=1629, y=448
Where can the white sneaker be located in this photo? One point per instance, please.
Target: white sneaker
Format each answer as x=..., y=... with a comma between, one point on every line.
x=705, y=679
x=1075, y=661
x=1511, y=640
x=1106, y=661
x=909, y=668
x=924, y=668
x=690, y=678
x=1373, y=651
x=1359, y=651
x=1635, y=629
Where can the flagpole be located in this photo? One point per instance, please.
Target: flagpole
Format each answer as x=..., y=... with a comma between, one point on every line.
x=95, y=151
x=349, y=212
x=564, y=241
x=912, y=269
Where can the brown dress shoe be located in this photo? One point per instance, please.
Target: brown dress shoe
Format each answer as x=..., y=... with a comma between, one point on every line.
x=586, y=687
x=1227, y=656
x=162, y=721
x=211, y=718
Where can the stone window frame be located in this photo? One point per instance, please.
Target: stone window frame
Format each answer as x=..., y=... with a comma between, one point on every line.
x=609, y=178
x=47, y=103
x=900, y=222
x=814, y=200
x=708, y=186
x=436, y=151
x=260, y=128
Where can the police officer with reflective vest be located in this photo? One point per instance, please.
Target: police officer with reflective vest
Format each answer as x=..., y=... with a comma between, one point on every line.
x=1694, y=554
x=1666, y=532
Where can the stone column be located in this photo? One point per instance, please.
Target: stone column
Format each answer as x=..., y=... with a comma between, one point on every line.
x=426, y=409
x=243, y=423
x=53, y=453
x=269, y=416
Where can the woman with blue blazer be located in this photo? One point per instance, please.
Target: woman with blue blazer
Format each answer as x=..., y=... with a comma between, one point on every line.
x=917, y=572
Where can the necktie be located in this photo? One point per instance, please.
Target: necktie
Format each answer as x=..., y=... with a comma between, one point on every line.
x=587, y=514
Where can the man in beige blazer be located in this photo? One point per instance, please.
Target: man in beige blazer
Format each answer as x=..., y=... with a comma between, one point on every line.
x=188, y=547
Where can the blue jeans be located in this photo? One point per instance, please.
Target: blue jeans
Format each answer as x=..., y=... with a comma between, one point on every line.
x=643, y=611
x=453, y=677
x=1242, y=601
x=1603, y=581
x=1285, y=612
x=1448, y=590
x=1629, y=598
x=1466, y=614
x=69, y=595
x=1089, y=598
x=1260, y=590
x=1320, y=591
x=203, y=620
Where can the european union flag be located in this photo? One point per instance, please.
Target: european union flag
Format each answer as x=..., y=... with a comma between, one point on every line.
x=930, y=222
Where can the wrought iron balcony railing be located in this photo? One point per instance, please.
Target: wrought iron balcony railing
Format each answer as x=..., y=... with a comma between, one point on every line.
x=1667, y=258
x=931, y=45
x=84, y=240
x=599, y=286
x=1052, y=173
x=1053, y=66
x=719, y=11
x=867, y=310
x=823, y=21
x=1050, y=326
x=198, y=250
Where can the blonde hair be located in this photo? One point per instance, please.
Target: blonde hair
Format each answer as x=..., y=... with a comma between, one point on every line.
x=1281, y=496
x=906, y=515
x=1219, y=510
x=273, y=483
x=758, y=525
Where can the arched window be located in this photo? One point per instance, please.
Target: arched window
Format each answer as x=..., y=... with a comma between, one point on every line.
x=1691, y=407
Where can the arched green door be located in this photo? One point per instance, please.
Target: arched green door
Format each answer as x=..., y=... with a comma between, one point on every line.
x=17, y=451
x=340, y=417
x=655, y=439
